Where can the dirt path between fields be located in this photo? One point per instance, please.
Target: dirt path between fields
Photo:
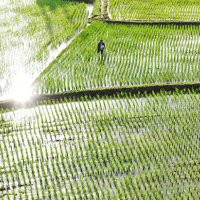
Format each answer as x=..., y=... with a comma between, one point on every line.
x=140, y=89
x=149, y=22
x=104, y=9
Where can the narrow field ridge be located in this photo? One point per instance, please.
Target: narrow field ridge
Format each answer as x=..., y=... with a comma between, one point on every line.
x=145, y=22
x=139, y=90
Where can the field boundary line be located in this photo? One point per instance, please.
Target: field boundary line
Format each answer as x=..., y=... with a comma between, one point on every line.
x=139, y=90
x=165, y=22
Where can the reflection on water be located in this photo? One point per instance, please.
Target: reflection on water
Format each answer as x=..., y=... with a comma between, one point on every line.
x=21, y=87
x=89, y=8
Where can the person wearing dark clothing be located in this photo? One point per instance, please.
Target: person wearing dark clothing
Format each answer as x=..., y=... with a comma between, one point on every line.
x=101, y=46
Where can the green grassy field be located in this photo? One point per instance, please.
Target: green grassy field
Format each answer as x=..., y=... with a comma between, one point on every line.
x=175, y=10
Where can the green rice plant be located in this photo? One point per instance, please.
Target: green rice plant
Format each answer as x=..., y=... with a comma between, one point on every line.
x=154, y=10
x=158, y=62
x=122, y=145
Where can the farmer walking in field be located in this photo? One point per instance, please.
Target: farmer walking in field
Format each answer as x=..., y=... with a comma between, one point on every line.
x=101, y=46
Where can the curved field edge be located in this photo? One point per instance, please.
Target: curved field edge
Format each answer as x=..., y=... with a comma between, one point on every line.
x=139, y=90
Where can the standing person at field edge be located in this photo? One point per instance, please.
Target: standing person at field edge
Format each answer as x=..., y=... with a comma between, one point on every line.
x=101, y=46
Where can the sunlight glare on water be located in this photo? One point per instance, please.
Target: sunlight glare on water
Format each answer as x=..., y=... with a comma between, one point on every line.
x=21, y=90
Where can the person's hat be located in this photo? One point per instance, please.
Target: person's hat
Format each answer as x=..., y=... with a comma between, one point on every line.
x=101, y=40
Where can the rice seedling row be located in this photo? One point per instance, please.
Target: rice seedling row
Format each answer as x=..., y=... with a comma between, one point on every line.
x=134, y=55
x=110, y=148
x=172, y=10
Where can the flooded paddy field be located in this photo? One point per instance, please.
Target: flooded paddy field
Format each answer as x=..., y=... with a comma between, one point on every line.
x=32, y=34
x=102, y=148
x=171, y=10
x=134, y=55
x=117, y=146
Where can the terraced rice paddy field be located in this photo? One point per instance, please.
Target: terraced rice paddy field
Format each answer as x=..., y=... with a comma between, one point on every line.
x=82, y=141
x=116, y=147
x=134, y=55
x=178, y=10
